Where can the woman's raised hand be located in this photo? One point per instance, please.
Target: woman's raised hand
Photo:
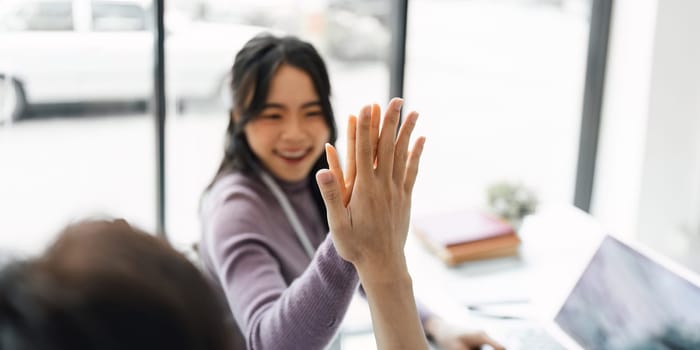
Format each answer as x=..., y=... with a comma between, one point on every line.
x=369, y=211
x=370, y=230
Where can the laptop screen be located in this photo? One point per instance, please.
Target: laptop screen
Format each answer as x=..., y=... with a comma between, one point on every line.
x=626, y=301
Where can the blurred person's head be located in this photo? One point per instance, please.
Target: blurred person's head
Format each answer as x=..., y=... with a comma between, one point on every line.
x=106, y=285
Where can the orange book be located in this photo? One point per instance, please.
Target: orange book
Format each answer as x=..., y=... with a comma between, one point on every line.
x=467, y=235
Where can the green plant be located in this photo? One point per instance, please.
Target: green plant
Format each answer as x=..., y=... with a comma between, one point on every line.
x=511, y=201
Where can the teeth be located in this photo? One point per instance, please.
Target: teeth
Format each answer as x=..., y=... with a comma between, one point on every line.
x=297, y=154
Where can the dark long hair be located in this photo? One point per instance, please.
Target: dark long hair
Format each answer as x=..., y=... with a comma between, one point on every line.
x=253, y=70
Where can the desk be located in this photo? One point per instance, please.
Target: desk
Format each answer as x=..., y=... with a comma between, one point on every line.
x=557, y=243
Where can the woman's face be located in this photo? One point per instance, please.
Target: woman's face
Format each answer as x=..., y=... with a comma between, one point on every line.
x=289, y=134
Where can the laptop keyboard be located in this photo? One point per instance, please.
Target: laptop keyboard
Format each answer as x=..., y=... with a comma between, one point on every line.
x=529, y=338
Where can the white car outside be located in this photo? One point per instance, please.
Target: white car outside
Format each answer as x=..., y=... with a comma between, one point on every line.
x=59, y=51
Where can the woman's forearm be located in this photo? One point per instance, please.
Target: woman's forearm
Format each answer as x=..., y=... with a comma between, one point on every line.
x=392, y=304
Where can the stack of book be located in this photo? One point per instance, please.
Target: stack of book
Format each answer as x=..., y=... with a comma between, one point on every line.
x=467, y=235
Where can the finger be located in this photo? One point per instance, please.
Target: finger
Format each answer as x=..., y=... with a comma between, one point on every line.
x=334, y=165
x=401, y=149
x=412, y=165
x=376, y=116
x=479, y=340
x=484, y=339
x=363, y=148
x=385, y=152
x=332, y=197
x=349, y=187
x=350, y=167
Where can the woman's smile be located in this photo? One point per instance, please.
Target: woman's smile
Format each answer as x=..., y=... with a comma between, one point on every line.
x=293, y=156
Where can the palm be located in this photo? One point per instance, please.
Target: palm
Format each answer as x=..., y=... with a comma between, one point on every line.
x=377, y=191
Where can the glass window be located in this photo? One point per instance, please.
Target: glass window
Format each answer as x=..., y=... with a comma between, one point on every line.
x=117, y=16
x=42, y=16
x=499, y=85
x=76, y=139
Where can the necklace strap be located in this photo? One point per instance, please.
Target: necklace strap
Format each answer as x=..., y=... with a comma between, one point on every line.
x=289, y=212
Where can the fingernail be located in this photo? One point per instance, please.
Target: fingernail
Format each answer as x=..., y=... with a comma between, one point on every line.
x=367, y=111
x=398, y=104
x=324, y=176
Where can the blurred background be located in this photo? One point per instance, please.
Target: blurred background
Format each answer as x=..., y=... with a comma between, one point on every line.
x=500, y=86
x=497, y=83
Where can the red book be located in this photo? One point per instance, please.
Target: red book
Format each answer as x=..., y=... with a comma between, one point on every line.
x=466, y=235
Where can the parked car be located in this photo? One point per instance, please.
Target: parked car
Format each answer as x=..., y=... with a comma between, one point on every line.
x=65, y=51
x=345, y=30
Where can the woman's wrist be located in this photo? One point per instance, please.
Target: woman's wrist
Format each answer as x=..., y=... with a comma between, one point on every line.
x=383, y=271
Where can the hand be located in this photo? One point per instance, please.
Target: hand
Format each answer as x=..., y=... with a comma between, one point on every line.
x=448, y=337
x=372, y=228
x=369, y=222
x=347, y=182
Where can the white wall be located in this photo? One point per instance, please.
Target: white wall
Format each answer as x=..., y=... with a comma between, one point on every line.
x=670, y=173
x=648, y=179
x=625, y=112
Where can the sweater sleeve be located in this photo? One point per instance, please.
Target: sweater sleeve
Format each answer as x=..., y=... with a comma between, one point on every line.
x=271, y=314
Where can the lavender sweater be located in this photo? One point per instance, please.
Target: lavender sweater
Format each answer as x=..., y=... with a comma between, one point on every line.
x=280, y=299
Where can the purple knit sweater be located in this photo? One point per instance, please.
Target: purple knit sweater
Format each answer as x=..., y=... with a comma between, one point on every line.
x=279, y=297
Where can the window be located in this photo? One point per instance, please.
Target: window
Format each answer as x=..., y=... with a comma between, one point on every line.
x=499, y=85
x=76, y=140
x=116, y=16
x=43, y=16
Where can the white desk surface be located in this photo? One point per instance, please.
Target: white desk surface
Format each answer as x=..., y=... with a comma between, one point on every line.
x=556, y=244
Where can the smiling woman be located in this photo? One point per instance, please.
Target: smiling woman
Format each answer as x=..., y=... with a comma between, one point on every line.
x=289, y=133
x=282, y=112
x=265, y=239
x=263, y=216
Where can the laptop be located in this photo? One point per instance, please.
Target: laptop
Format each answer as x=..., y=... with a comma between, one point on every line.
x=626, y=298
